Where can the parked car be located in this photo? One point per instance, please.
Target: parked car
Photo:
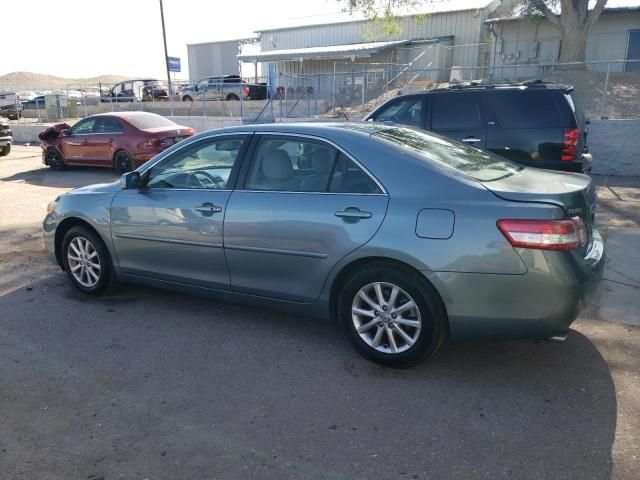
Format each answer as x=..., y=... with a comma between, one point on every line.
x=120, y=140
x=228, y=87
x=34, y=104
x=532, y=123
x=6, y=138
x=405, y=237
x=10, y=106
x=137, y=91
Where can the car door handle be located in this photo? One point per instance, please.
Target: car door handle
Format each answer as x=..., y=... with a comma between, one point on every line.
x=471, y=140
x=208, y=209
x=352, y=213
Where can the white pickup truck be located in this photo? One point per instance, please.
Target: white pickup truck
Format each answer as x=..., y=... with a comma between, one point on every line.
x=10, y=105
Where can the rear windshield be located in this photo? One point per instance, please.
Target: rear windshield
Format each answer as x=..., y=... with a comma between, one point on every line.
x=477, y=164
x=143, y=121
x=525, y=108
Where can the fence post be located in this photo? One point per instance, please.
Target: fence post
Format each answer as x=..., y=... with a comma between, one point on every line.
x=241, y=100
x=334, y=89
x=364, y=82
x=604, y=91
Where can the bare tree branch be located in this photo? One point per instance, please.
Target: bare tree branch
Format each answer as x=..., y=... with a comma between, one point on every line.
x=594, y=14
x=546, y=11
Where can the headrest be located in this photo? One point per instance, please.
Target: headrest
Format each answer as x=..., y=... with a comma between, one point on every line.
x=276, y=165
x=322, y=160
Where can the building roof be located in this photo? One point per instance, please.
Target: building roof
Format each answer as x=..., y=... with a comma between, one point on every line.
x=237, y=40
x=612, y=6
x=330, y=52
x=431, y=7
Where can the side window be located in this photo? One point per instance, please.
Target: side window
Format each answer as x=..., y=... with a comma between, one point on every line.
x=407, y=111
x=107, y=125
x=203, y=85
x=525, y=109
x=348, y=177
x=205, y=165
x=84, y=127
x=291, y=164
x=454, y=111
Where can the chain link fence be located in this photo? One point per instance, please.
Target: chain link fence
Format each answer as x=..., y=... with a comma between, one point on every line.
x=351, y=90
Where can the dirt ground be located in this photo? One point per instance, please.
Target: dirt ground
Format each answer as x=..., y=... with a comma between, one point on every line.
x=150, y=384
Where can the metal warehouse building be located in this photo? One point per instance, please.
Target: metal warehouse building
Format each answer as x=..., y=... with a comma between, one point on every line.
x=533, y=44
x=212, y=59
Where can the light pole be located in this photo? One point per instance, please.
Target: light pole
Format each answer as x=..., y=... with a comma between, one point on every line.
x=166, y=56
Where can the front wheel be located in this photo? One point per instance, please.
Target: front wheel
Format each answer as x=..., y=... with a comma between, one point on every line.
x=54, y=159
x=86, y=260
x=123, y=162
x=392, y=316
x=4, y=151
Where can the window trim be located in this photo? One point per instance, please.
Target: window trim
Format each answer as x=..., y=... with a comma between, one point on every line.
x=233, y=175
x=250, y=158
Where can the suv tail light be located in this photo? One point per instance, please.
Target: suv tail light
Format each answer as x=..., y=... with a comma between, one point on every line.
x=569, y=145
x=545, y=234
x=245, y=89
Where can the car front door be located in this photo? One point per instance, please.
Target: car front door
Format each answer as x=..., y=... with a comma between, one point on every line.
x=172, y=229
x=409, y=110
x=75, y=146
x=304, y=205
x=458, y=115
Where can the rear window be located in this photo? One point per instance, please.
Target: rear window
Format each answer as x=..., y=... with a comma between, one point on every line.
x=143, y=121
x=525, y=109
x=477, y=164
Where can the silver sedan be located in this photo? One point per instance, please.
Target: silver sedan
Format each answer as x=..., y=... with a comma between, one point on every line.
x=403, y=237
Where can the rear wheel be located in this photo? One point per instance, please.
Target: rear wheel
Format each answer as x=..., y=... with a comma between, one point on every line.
x=4, y=151
x=53, y=158
x=187, y=98
x=123, y=161
x=233, y=97
x=392, y=316
x=86, y=260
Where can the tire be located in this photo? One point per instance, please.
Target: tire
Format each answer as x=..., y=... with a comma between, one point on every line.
x=187, y=98
x=86, y=246
x=233, y=97
x=122, y=162
x=54, y=159
x=4, y=151
x=425, y=325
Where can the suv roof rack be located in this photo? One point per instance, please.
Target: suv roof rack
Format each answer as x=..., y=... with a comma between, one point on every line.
x=479, y=85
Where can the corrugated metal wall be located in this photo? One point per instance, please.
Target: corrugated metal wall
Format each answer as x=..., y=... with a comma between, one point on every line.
x=212, y=59
x=538, y=43
x=465, y=28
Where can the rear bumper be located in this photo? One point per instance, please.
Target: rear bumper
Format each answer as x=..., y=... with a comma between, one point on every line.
x=540, y=303
x=581, y=164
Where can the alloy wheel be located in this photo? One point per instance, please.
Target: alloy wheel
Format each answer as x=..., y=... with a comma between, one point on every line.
x=123, y=162
x=386, y=318
x=84, y=262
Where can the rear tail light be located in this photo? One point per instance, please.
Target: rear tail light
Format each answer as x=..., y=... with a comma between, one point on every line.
x=245, y=89
x=545, y=234
x=569, y=145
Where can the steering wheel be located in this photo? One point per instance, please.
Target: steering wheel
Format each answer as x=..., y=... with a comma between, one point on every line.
x=203, y=179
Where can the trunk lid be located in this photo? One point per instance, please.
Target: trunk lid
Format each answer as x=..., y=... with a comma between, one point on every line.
x=573, y=192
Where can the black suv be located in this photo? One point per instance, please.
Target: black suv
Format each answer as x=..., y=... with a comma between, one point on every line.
x=532, y=123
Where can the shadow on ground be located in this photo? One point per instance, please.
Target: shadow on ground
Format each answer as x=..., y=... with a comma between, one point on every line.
x=146, y=383
x=70, y=177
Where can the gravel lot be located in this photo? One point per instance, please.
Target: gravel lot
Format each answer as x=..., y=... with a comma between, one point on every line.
x=146, y=384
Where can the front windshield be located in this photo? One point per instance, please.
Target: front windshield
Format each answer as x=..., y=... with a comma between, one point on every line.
x=478, y=164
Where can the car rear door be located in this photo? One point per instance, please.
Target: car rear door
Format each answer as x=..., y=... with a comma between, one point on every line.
x=107, y=132
x=458, y=115
x=172, y=230
x=304, y=205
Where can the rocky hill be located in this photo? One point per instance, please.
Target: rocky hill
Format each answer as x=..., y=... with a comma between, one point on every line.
x=30, y=81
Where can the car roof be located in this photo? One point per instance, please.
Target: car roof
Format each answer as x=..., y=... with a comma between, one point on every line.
x=320, y=129
x=123, y=115
x=485, y=87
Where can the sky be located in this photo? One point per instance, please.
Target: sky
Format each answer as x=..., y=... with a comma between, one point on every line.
x=75, y=38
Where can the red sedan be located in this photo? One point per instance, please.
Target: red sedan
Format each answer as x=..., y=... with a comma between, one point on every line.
x=120, y=140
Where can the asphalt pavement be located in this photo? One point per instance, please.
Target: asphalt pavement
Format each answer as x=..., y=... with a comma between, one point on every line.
x=149, y=384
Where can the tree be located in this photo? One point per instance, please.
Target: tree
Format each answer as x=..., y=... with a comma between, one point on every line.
x=574, y=20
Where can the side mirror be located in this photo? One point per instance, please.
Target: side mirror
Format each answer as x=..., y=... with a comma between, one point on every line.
x=131, y=181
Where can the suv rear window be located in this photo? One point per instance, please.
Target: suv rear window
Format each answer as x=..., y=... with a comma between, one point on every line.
x=525, y=108
x=434, y=149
